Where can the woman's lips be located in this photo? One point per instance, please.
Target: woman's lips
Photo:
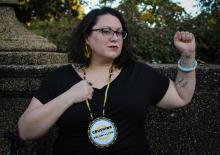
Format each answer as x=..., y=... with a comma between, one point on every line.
x=113, y=47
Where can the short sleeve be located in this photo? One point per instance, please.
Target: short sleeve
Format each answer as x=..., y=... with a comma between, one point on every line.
x=153, y=83
x=46, y=91
x=55, y=83
x=158, y=86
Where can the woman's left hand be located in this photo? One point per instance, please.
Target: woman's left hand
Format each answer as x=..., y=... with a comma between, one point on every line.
x=185, y=43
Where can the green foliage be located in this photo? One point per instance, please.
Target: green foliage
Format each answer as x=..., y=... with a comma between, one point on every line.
x=209, y=5
x=154, y=45
x=151, y=12
x=48, y=9
x=57, y=32
x=152, y=24
x=208, y=31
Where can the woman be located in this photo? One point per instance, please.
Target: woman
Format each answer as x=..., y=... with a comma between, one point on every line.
x=100, y=101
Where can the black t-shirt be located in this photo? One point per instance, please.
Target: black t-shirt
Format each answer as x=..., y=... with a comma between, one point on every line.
x=130, y=94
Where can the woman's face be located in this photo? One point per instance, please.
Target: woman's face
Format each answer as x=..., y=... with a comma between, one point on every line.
x=106, y=38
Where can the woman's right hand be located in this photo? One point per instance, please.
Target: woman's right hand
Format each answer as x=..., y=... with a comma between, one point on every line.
x=38, y=117
x=81, y=91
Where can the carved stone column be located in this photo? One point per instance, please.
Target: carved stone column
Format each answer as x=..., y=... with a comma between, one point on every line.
x=25, y=59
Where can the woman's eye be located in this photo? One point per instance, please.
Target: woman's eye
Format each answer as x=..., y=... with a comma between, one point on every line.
x=106, y=31
x=119, y=33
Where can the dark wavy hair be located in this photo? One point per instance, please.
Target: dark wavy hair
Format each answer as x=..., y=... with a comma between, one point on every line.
x=83, y=30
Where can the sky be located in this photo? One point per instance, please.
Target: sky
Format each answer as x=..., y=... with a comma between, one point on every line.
x=186, y=4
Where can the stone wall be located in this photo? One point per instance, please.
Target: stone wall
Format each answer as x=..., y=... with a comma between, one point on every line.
x=17, y=85
x=193, y=129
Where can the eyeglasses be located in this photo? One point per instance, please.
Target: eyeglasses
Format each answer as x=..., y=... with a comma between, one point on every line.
x=109, y=33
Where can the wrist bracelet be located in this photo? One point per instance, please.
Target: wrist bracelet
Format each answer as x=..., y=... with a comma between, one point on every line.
x=188, y=69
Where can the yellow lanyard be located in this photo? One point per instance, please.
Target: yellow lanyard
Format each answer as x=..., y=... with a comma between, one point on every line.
x=106, y=92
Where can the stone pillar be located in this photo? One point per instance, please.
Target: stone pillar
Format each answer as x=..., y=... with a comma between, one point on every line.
x=25, y=59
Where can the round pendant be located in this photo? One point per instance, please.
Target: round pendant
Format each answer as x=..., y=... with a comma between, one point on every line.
x=102, y=132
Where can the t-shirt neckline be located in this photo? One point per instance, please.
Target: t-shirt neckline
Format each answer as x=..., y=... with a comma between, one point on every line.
x=102, y=88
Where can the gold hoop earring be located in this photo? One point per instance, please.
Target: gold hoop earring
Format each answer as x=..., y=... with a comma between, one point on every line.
x=87, y=51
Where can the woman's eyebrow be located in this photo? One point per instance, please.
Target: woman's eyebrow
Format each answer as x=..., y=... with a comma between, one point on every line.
x=119, y=28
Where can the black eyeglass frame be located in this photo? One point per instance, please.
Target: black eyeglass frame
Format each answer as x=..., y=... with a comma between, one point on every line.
x=124, y=33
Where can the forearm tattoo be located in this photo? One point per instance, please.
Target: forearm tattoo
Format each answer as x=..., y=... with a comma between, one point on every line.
x=182, y=83
x=182, y=80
